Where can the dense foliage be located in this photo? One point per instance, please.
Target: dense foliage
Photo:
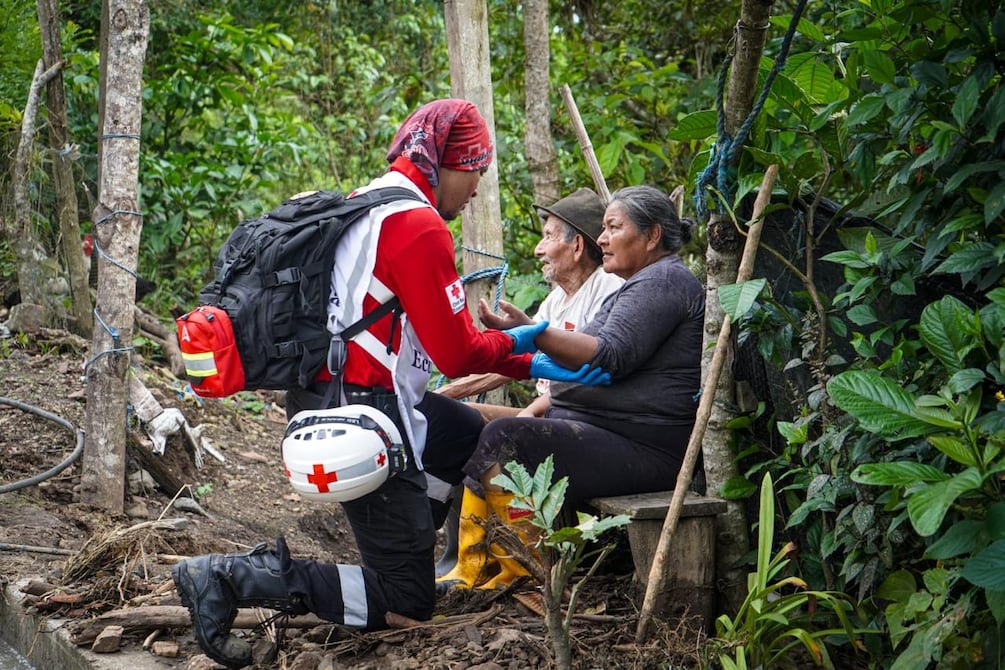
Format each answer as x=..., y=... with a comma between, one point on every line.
x=892, y=470
x=888, y=475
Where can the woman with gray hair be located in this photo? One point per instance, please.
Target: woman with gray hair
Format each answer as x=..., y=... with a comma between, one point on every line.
x=630, y=436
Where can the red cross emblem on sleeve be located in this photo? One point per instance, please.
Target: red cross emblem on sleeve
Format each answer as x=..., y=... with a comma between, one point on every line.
x=381, y=459
x=455, y=295
x=322, y=479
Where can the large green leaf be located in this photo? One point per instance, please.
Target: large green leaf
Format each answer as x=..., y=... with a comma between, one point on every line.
x=994, y=203
x=949, y=329
x=814, y=78
x=966, y=101
x=960, y=538
x=695, y=126
x=927, y=507
x=996, y=603
x=880, y=406
x=976, y=256
x=987, y=569
x=955, y=448
x=966, y=171
x=737, y=299
x=898, y=587
x=899, y=473
x=866, y=109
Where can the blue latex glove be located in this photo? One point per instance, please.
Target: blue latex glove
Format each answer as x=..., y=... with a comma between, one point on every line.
x=523, y=337
x=542, y=367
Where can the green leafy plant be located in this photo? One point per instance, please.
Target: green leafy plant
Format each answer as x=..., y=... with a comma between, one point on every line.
x=560, y=552
x=779, y=613
x=947, y=482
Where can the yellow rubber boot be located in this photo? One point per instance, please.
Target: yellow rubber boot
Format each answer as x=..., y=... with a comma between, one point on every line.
x=510, y=569
x=474, y=565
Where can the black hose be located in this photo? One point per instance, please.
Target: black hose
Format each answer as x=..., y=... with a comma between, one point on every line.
x=32, y=481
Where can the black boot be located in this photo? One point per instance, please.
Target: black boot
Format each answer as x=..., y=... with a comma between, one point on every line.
x=212, y=587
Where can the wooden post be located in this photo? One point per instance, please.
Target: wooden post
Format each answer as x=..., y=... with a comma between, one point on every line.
x=471, y=79
x=118, y=224
x=657, y=573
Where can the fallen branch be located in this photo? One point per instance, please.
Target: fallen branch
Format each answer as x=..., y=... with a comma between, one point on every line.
x=37, y=550
x=152, y=617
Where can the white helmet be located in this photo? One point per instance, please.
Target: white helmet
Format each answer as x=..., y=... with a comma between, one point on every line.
x=341, y=453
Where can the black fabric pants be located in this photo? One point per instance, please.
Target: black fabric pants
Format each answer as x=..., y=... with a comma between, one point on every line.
x=394, y=527
x=597, y=460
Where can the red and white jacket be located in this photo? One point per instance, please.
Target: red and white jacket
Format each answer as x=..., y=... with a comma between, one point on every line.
x=404, y=249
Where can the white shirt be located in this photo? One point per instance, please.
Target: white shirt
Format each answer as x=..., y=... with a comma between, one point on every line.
x=561, y=310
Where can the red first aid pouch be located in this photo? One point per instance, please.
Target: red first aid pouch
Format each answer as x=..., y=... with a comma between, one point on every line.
x=212, y=361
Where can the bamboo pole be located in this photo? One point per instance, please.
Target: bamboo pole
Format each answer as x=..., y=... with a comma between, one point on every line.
x=658, y=570
x=586, y=145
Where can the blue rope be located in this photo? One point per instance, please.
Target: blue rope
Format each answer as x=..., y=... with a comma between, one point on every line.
x=721, y=168
x=500, y=271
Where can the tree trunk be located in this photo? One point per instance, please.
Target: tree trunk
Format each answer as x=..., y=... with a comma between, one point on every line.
x=721, y=264
x=62, y=172
x=33, y=266
x=541, y=160
x=471, y=79
x=481, y=220
x=117, y=225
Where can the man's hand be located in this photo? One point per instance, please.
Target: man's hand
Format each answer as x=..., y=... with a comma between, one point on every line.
x=542, y=367
x=510, y=318
x=472, y=385
x=523, y=337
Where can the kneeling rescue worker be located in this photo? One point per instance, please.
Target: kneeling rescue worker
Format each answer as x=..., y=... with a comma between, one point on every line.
x=366, y=434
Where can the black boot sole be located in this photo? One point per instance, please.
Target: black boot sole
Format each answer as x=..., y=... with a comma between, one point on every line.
x=185, y=585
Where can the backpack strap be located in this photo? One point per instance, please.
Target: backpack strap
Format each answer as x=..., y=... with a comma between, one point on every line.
x=338, y=345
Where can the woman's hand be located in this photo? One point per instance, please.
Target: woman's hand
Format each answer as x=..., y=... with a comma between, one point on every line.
x=510, y=318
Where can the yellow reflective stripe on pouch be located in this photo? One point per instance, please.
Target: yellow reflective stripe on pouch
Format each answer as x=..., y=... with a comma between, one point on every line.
x=199, y=365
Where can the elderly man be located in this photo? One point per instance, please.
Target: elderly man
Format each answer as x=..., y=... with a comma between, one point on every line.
x=571, y=261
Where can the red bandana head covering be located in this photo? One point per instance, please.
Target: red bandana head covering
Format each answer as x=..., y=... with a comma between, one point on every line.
x=446, y=133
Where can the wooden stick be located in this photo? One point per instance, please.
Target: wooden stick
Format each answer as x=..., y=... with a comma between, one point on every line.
x=35, y=549
x=586, y=145
x=151, y=617
x=658, y=569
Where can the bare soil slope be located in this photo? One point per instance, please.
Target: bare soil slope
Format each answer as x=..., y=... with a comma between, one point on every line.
x=245, y=500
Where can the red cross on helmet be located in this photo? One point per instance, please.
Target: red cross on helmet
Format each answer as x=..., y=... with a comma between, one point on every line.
x=342, y=453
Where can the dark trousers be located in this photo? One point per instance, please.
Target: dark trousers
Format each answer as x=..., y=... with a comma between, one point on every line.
x=394, y=527
x=597, y=460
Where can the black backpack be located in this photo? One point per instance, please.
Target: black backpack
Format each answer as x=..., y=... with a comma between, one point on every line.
x=262, y=320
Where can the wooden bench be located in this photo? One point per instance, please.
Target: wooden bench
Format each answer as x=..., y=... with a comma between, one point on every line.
x=689, y=586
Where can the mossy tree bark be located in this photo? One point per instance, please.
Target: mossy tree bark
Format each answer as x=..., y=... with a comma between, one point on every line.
x=62, y=171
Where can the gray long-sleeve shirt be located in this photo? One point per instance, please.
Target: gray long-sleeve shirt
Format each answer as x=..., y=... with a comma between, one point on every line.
x=649, y=334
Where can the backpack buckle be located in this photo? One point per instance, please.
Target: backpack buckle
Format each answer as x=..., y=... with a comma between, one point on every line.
x=336, y=355
x=283, y=277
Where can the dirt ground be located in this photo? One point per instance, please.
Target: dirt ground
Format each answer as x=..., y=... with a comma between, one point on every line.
x=244, y=500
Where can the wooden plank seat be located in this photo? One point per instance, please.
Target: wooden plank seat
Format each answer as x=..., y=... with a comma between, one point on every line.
x=689, y=586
